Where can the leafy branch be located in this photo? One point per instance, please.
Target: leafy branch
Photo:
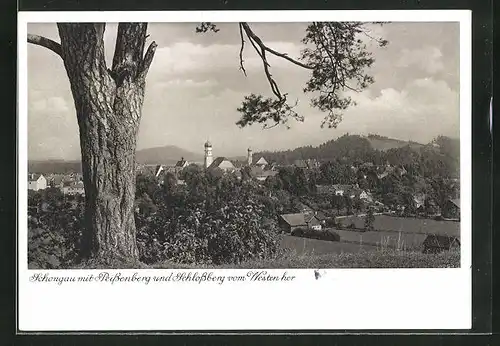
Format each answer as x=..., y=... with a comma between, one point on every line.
x=337, y=57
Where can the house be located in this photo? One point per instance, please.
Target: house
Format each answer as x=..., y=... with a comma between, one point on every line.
x=362, y=194
x=261, y=162
x=346, y=190
x=438, y=243
x=36, y=182
x=73, y=188
x=343, y=190
x=339, y=189
x=56, y=181
x=419, y=200
x=261, y=173
x=181, y=164
x=222, y=163
x=451, y=209
x=158, y=170
x=388, y=169
x=290, y=222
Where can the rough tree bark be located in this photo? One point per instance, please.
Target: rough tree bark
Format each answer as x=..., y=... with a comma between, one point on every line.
x=108, y=106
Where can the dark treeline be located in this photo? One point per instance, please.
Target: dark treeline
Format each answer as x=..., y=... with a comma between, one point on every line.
x=440, y=157
x=55, y=166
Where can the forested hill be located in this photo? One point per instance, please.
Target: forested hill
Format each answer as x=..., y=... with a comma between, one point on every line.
x=54, y=166
x=371, y=148
x=385, y=143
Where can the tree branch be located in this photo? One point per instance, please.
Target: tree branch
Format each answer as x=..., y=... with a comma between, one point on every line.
x=259, y=42
x=241, y=50
x=45, y=42
x=146, y=61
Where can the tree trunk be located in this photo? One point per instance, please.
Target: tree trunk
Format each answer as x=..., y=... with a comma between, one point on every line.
x=108, y=105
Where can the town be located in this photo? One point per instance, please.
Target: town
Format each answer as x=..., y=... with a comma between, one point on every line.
x=319, y=206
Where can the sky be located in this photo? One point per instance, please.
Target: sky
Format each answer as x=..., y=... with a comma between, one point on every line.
x=194, y=87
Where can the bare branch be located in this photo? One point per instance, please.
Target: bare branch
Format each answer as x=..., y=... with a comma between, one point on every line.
x=45, y=42
x=256, y=48
x=259, y=42
x=241, y=50
x=262, y=53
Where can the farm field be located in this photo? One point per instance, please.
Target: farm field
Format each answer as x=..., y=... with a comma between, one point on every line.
x=407, y=225
x=305, y=246
x=380, y=239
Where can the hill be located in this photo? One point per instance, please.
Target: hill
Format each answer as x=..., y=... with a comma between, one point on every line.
x=168, y=154
x=349, y=148
x=54, y=166
x=385, y=143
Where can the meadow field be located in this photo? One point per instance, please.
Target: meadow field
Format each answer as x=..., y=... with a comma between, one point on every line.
x=406, y=224
x=305, y=246
x=380, y=239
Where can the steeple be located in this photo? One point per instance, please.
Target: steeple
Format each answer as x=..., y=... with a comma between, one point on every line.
x=249, y=157
x=208, y=154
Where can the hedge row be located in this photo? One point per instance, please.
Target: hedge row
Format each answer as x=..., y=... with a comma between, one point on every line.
x=316, y=234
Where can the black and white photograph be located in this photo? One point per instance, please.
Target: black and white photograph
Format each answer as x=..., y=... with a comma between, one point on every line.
x=255, y=144
x=242, y=145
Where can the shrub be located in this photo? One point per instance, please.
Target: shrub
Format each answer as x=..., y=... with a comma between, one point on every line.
x=316, y=234
x=228, y=224
x=54, y=235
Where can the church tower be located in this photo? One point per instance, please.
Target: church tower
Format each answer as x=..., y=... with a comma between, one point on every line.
x=249, y=157
x=208, y=154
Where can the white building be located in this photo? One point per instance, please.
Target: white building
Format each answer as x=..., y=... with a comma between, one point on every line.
x=262, y=162
x=208, y=154
x=222, y=163
x=36, y=182
x=249, y=157
x=73, y=188
x=182, y=163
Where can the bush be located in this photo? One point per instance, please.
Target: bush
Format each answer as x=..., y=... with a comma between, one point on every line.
x=228, y=224
x=54, y=235
x=316, y=234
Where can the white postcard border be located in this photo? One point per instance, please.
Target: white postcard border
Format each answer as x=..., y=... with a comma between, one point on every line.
x=341, y=299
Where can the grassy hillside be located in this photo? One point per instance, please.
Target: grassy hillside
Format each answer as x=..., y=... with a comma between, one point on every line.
x=361, y=259
x=406, y=225
x=304, y=246
x=311, y=253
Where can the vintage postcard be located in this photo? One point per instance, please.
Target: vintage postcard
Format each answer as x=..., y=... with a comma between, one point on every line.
x=236, y=162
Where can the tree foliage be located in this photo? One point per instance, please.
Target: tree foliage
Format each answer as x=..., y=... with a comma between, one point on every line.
x=335, y=53
x=369, y=220
x=224, y=221
x=55, y=225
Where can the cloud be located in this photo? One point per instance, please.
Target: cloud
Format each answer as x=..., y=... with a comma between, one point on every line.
x=186, y=57
x=195, y=85
x=54, y=104
x=424, y=109
x=428, y=58
x=185, y=83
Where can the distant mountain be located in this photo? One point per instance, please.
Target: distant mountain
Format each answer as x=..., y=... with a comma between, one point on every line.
x=54, y=166
x=385, y=143
x=167, y=155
